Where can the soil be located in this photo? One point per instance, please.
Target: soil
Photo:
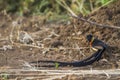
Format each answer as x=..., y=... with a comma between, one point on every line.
x=44, y=39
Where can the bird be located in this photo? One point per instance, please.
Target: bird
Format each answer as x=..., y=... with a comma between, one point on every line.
x=94, y=42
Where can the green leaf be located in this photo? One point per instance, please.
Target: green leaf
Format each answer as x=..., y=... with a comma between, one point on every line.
x=57, y=65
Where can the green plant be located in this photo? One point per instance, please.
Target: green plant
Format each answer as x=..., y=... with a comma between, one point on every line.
x=56, y=65
x=4, y=76
x=51, y=7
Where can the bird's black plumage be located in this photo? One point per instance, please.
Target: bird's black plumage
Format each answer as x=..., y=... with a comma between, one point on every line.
x=88, y=61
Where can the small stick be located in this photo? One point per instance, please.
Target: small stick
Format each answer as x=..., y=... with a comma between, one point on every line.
x=94, y=23
x=27, y=45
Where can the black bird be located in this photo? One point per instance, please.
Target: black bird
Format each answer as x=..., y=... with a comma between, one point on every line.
x=94, y=42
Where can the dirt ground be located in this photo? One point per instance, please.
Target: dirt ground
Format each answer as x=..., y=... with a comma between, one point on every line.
x=57, y=41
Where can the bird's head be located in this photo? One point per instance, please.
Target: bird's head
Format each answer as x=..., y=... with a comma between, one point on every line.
x=90, y=38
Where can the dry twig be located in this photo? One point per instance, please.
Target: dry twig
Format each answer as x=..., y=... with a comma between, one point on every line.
x=63, y=4
x=94, y=23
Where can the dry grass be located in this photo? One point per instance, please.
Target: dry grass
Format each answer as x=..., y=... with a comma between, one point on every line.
x=56, y=74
